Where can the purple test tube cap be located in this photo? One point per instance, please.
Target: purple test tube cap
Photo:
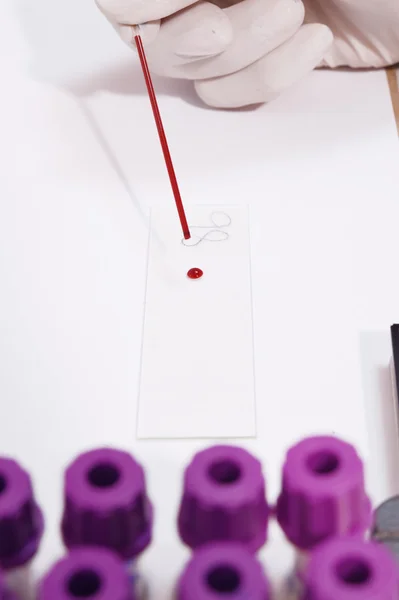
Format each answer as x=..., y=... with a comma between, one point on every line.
x=323, y=492
x=106, y=503
x=21, y=520
x=94, y=573
x=351, y=569
x=221, y=570
x=224, y=499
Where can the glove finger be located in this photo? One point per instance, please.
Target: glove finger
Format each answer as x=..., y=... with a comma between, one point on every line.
x=133, y=12
x=265, y=79
x=259, y=26
x=200, y=31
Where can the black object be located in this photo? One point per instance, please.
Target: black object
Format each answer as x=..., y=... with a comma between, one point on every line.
x=395, y=353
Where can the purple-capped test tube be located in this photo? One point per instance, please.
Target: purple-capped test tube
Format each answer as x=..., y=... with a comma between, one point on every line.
x=94, y=573
x=351, y=569
x=106, y=504
x=21, y=526
x=5, y=592
x=223, y=570
x=224, y=499
x=323, y=495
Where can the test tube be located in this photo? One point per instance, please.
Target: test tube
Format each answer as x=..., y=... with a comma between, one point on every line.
x=224, y=499
x=351, y=569
x=21, y=527
x=221, y=570
x=94, y=573
x=323, y=496
x=5, y=592
x=106, y=504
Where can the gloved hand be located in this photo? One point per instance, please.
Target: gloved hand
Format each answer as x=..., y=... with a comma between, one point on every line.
x=247, y=52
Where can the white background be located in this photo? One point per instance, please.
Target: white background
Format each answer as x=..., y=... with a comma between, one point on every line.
x=80, y=166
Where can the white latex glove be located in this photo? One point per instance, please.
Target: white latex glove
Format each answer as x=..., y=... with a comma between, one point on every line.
x=250, y=51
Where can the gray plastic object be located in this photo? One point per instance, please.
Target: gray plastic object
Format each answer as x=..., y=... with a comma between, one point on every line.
x=386, y=520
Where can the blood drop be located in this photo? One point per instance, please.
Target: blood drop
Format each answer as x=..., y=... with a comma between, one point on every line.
x=195, y=273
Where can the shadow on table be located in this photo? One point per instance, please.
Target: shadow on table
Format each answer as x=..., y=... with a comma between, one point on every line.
x=127, y=79
x=73, y=48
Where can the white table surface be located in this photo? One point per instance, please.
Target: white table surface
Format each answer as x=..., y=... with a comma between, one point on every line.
x=81, y=165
